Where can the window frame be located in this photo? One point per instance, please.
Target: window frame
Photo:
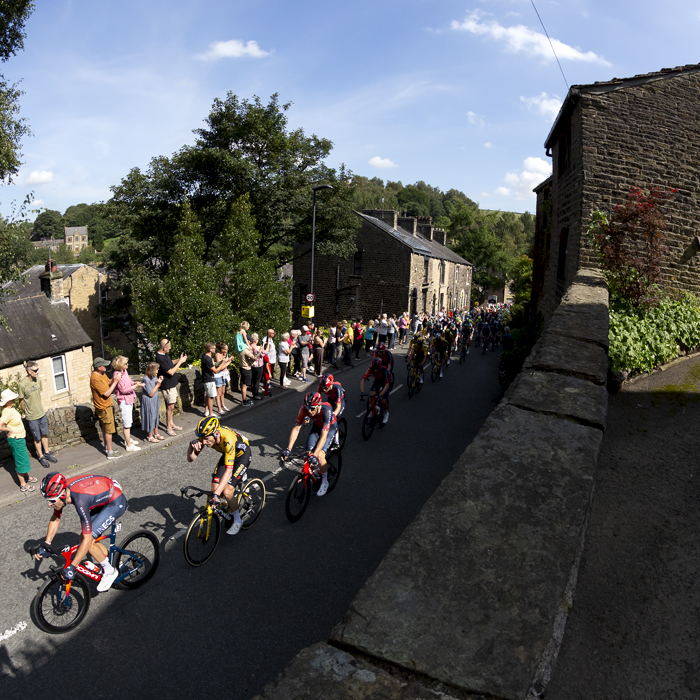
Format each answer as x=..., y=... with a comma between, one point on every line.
x=63, y=372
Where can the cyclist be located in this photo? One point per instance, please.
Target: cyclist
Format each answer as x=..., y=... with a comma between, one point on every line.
x=387, y=360
x=467, y=330
x=232, y=466
x=418, y=355
x=441, y=349
x=99, y=501
x=449, y=336
x=382, y=381
x=485, y=336
x=336, y=397
x=321, y=436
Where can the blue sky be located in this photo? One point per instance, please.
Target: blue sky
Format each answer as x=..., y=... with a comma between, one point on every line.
x=458, y=94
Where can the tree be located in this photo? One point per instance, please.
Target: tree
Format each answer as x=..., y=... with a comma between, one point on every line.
x=63, y=255
x=49, y=224
x=87, y=255
x=13, y=16
x=245, y=149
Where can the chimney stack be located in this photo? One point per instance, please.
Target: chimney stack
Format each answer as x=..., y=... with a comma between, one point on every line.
x=51, y=281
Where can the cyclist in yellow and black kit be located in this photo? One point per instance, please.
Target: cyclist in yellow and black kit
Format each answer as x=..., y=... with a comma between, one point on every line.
x=441, y=349
x=232, y=467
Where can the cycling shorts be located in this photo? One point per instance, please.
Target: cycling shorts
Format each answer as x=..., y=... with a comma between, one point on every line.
x=104, y=517
x=377, y=389
x=240, y=467
x=315, y=434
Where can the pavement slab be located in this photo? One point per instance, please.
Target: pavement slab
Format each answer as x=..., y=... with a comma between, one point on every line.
x=447, y=601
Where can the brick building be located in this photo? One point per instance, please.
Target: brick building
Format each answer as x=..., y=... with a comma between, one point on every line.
x=75, y=237
x=400, y=264
x=642, y=131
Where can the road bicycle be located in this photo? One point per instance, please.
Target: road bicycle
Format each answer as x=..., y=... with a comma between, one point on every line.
x=438, y=363
x=372, y=417
x=61, y=605
x=463, y=352
x=342, y=432
x=414, y=379
x=204, y=531
x=308, y=481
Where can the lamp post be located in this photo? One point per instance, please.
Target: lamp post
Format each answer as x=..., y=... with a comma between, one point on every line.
x=313, y=230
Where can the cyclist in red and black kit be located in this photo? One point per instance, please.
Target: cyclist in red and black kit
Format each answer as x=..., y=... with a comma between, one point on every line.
x=387, y=360
x=336, y=397
x=382, y=382
x=99, y=501
x=321, y=436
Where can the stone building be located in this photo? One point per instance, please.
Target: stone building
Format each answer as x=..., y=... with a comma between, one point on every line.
x=75, y=237
x=400, y=264
x=84, y=288
x=609, y=136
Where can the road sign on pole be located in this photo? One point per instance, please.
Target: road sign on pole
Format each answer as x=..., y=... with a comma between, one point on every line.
x=310, y=298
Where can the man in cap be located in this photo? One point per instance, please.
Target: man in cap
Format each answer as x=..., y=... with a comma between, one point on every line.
x=102, y=389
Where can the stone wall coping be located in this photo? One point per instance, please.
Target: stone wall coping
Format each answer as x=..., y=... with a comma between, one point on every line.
x=475, y=592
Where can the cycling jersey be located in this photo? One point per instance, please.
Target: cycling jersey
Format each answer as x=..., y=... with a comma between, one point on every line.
x=335, y=394
x=88, y=493
x=387, y=359
x=232, y=445
x=380, y=377
x=323, y=420
x=441, y=345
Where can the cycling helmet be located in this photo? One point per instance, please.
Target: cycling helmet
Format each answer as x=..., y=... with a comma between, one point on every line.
x=326, y=382
x=207, y=427
x=377, y=363
x=53, y=485
x=381, y=347
x=313, y=399
x=438, y=335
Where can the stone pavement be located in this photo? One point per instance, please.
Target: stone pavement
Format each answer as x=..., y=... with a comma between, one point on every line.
x=90, y=457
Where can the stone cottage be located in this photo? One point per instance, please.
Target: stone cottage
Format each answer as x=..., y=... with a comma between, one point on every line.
x=609, y=136
x=400, y=264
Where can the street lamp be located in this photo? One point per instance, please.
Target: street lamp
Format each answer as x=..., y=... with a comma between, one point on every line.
x=313, y=231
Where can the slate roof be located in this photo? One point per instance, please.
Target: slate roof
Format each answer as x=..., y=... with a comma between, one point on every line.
x=73, y=230
x=418, y=244
x=30, y=285
x=38, y=329
x=602, y=87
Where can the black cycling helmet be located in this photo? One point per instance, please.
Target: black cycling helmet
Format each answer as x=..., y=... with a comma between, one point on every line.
x=53, y=485
x=207, y=427
x=313, y=398
x=326, y=382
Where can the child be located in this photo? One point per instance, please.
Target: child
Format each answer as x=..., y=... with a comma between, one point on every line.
x=150, y=403
x=267, y=374
x=11, y=423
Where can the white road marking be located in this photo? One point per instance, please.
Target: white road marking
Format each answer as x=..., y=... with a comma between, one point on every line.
x=178, y=534
x=10, y=633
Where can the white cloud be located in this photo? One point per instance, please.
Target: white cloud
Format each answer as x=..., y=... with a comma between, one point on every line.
x=378, y=162
x=39, y=177
x=475, y=119
x=488, y=144
x=232, y=49
x=36, y=203
x=521, y=38
x=535, y=170
x=544, y=104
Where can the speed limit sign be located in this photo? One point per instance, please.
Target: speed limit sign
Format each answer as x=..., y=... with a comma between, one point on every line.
x=310, y=298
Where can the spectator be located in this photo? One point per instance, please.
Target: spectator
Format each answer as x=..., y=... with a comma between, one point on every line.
x=11, y=423
x=507, y=340
x=403, y=323
x=168, y=370
x=369, y=338
x=393, y=330
x=332, y=338
x=245, y=361
x=383, y=331
x=208, y=380
x=347, y=343
x=319, y=343
x=30, y=401
x=124, y=391
x=256, y=365
x=357, y=338
x=242, y=337
x=304, y=341
x=267, y=373
x=284, y=354
x=222, y=377
x=150, y=402
x=269, y=349
x=296, y=353
x=102, y=389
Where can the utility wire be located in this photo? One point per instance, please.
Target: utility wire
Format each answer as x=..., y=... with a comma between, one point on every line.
x=550, y=43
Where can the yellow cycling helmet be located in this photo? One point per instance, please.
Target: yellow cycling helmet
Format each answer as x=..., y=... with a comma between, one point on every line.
x=207, y=427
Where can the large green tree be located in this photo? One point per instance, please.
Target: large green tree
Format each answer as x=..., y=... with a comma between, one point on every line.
x=245, y=148
x=13, y=15
x=49, y=224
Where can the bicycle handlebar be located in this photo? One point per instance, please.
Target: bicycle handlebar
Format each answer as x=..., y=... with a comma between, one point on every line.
x=184, y=492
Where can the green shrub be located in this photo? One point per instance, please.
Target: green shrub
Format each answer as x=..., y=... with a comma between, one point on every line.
x=643, y=339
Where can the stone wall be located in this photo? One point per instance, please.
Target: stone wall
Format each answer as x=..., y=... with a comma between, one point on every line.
x=472, y=599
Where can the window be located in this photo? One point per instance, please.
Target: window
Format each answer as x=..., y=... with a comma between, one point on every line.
x=456, y=274
x=357, y=263
x=425, y=270
x=60, y=378
x=564, y=150
x=442, y=273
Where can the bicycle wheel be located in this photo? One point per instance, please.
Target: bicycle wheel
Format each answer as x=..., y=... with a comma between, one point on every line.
x=411, y=384
x=368, y=423
x=434, y=372
x=419, y=384
x=56, y=612
x=139, y=559
x=342, y=431
x=335, y=464
x=252, y=502
x=298, y=497
x=202, y=537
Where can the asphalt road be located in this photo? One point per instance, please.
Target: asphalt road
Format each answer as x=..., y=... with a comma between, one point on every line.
x=230, y=626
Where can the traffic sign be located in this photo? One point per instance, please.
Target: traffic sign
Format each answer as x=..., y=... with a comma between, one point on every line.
x=310, y=298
